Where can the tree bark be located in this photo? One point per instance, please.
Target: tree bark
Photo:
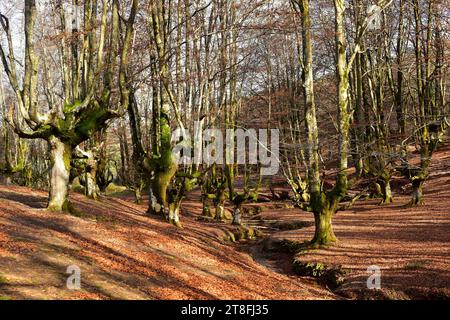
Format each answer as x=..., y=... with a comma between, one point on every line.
x=92, y=190
x=417, y=194
x=324, y=234
x=220, y=204
x=219, y=211
x=386, y=192
x=60, y=156
x=138, y=195
x=237, y=216
x=174, y=213
x=206, y=208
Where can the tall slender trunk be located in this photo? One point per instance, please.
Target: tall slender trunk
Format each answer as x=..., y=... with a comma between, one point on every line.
x=324, y=234
x=399, y=108
x=60, y=156
x=342, y=70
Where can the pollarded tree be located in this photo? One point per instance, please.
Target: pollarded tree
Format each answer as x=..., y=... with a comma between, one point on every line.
x=157, y=167
x=83, y=100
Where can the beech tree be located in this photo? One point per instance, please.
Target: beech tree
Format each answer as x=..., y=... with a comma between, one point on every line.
x=325, y=203
x=430, y=116
x=83, y=101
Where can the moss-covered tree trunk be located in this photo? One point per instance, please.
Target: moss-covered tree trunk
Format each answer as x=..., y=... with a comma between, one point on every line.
x=164, y=166
x=90, y=175
x=220, y=203
x=323, y=209
x=417, y=194
x=174, y=213
x=91, y=187
x=104, y=176
x=160, y=184
x=386, y=191
x=421, y=176
x=60, y=156
x=86, y=104
x=138, y=195
x=206, y=206
x=324, y=234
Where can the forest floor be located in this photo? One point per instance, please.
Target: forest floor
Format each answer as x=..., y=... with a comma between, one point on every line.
x=124, y=254
x=410, y=246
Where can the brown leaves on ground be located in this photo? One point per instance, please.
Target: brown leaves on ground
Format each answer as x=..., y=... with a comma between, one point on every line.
x=410, y=245
x=124, y=254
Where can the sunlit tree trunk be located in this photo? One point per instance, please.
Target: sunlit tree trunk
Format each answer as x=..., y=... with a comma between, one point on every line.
x=399, y=107
x=324, y=234
x=60, y=157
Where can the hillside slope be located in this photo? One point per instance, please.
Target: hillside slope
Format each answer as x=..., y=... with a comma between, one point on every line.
x=411, y=246
x=124, y=254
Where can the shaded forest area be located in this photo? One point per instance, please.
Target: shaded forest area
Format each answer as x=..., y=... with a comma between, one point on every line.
x=113, y=155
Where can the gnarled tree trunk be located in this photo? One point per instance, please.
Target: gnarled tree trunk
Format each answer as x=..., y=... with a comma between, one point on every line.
x=324, y=209
x=324, y=234
x=60, y=156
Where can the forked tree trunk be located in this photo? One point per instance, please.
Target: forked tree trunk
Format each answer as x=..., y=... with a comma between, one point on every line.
x=60, y=156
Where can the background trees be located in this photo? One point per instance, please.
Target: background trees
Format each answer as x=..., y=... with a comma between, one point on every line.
x=357, y=89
